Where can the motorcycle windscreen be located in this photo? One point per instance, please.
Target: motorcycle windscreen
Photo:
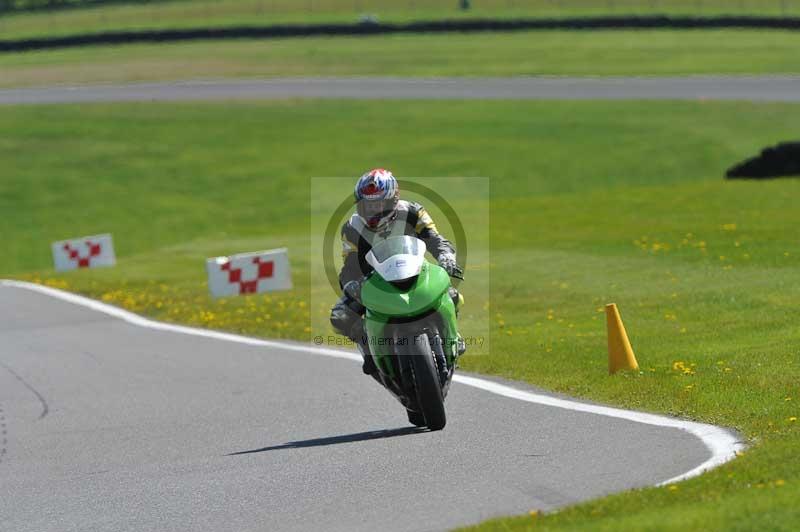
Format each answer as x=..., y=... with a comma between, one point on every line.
x=397, y=258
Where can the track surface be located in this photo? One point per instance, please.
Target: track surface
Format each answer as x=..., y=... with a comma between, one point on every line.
x=110, y=426
x=785, y=88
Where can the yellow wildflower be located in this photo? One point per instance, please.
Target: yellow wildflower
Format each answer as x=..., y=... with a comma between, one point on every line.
x=681, y=367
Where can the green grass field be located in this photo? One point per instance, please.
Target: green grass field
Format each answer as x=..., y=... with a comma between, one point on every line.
x=196, y=13
x=590, y=203
x=493, y=54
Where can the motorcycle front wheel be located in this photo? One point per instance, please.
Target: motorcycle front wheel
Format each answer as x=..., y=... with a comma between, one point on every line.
x=426, y=383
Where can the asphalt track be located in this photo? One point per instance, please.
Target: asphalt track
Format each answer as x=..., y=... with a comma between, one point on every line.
x=763, y=89
x=128, y=424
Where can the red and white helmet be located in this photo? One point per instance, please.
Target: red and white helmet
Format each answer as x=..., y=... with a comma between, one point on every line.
x=377, y=195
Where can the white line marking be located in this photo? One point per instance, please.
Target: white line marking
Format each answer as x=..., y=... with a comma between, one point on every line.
x=722, y=444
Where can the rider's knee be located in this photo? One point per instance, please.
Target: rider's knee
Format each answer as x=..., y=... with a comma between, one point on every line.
x=345, y=319
x=341, y=321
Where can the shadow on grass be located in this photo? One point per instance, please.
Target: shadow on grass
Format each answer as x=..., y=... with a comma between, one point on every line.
x=335, y=440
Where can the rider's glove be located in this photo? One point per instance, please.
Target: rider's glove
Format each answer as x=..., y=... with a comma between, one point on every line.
x=448, y=262
x=352, y=289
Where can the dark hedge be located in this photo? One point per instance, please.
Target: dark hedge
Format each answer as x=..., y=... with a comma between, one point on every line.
x=776, y=161
x=373, y=28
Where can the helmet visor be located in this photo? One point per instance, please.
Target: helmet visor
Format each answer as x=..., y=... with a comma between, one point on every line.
x=373, y=211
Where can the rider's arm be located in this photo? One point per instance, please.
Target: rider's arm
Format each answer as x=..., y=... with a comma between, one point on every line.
x=426, y=230
x=439, y=246
x=351, y=269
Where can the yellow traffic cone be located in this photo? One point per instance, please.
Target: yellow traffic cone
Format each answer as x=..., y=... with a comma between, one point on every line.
x=620, y=353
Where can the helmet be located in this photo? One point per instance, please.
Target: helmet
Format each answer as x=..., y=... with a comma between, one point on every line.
x=377, y=195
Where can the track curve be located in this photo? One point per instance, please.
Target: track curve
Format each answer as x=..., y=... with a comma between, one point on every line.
x=149, y=429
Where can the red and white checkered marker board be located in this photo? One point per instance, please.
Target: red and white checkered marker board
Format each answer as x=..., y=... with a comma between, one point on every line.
x=86, y=252
x=249, y=273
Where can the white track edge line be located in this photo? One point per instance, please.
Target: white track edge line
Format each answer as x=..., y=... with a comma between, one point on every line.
x=722, y=444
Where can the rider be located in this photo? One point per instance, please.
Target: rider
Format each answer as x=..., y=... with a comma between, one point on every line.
x=380, y=213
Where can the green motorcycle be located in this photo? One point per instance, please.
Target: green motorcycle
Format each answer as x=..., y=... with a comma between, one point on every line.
x=410, y=327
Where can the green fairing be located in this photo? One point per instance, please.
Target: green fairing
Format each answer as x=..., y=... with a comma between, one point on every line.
x=382, y=297
x=385, y=301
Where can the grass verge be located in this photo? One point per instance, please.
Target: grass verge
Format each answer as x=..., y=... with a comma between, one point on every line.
x=604, y=53
x=590, y=203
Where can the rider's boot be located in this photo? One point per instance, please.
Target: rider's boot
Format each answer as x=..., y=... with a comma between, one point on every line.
x=461, y=345
x=358, y=335
x=368, y=367
x=458, y=300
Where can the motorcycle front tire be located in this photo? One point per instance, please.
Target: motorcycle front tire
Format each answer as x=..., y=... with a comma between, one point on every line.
x=426, y=383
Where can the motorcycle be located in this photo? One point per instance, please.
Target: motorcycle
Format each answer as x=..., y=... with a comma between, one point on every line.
x=411, y=329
